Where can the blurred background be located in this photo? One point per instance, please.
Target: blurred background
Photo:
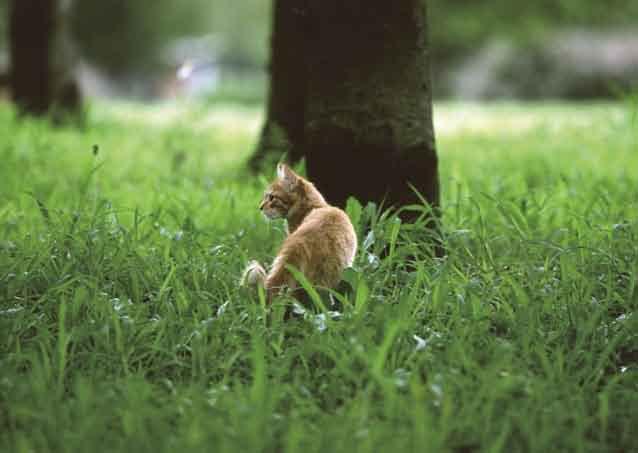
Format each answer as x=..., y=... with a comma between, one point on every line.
x=213, y=50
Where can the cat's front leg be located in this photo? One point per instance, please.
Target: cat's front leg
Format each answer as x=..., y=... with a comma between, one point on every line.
x=278, y=279
x=253, y=275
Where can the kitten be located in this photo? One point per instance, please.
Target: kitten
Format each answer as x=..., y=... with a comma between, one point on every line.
x=321, y=240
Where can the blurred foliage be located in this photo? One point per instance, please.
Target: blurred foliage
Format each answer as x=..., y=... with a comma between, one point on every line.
x=243, y=27
x=121, y=36
x=459, y=27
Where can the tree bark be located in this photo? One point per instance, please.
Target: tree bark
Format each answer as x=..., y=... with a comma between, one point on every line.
x=368, y=102
x=282, y=132
x=351, y=92
x=41, y=77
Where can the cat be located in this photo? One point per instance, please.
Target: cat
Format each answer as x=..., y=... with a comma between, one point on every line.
x=321, y=240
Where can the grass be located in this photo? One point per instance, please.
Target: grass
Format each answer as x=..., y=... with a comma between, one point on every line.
x=122, y=327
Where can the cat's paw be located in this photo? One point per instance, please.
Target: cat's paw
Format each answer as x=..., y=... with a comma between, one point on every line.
x=253, y=275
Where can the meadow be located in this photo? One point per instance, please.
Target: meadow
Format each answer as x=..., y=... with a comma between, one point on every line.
x=123, y=328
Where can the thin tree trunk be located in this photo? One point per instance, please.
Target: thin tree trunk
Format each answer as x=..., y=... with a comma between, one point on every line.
x=41, y=78
x=368, y=110
x=282, y=132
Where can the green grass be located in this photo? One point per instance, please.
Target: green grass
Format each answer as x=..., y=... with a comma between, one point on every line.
x=122, y=327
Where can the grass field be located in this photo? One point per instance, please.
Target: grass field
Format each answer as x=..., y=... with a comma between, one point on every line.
x=122, y=327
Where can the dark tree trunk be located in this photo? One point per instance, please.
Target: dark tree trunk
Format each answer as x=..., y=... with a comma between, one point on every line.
x=368, y=102
x=41, y=78
x=351, y=92
x=283, y=129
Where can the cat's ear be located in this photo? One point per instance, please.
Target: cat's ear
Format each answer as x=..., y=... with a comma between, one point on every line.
x=287, y=177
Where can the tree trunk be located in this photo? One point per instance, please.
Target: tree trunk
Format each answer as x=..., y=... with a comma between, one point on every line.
x=41, y=79
x=351, y=92
x=368, y=102
x=283, y=129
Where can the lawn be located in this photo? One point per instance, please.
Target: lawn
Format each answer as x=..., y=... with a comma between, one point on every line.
x=122, y=326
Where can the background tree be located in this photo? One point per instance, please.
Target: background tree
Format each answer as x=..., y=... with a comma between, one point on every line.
x=41, y=66
x=365, y=99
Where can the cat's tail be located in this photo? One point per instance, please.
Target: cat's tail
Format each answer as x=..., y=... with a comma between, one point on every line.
x=253, y=275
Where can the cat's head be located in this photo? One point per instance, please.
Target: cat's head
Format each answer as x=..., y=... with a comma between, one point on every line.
x=283, y=195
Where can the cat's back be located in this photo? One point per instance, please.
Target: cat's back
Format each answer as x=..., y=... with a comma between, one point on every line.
x=327, y=220
x=326, y=237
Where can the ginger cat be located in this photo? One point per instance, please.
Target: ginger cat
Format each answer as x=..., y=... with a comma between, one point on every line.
x=321, y=240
